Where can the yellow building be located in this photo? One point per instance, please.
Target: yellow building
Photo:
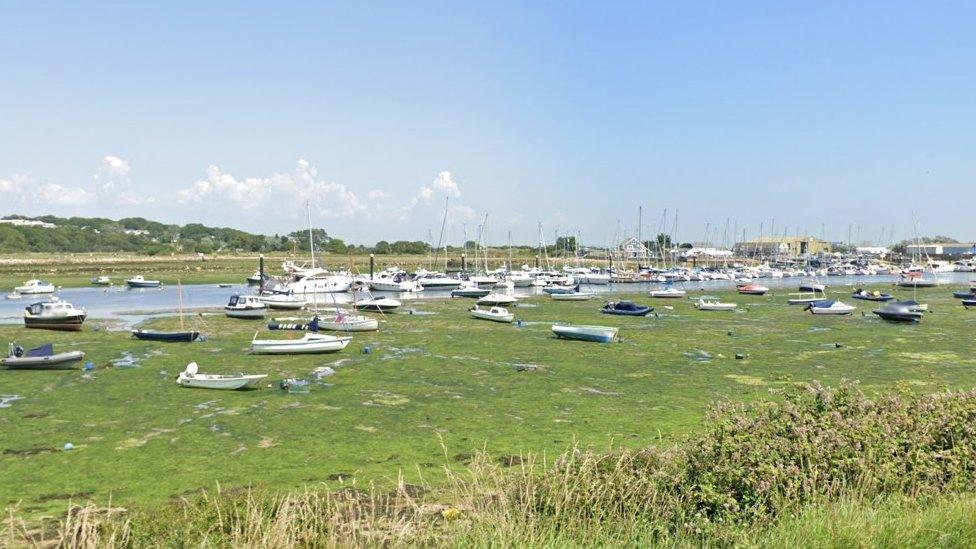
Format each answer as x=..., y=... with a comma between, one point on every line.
x=788, y=246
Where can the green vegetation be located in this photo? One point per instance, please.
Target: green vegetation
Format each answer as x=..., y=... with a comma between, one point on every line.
x=448, y=412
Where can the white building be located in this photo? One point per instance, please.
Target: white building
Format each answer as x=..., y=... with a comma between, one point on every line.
x=633, y=249
x=28, y=223
x=712, y=253
x=879, y=252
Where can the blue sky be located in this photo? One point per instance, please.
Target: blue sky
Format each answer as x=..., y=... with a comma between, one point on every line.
x=855, y=114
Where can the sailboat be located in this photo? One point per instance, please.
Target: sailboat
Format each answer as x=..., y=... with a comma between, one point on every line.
x=181, y=336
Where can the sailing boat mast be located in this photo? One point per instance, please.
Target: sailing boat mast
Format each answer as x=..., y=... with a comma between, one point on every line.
x=311, y=241
x=179, y=292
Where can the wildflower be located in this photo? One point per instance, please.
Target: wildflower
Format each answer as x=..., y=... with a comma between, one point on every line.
x=452, y=513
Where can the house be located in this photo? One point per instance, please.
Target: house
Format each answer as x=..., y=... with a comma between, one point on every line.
x=782, y=246
x=633, y=249
x=946, y=249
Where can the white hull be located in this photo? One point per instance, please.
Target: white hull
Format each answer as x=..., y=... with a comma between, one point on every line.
x=439, y=283
x=714, y=306
x=248, y=313
x=230, y=383
x=594, y=279
x=495, y=314
x=577, y=296
x=600, y=334
x=497, y=299
x=310, y=344
x=320, y=285
x=284, y=303
x=390, y=286
x=352, y=323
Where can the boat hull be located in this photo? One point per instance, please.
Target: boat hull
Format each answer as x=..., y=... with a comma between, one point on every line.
x=67, y=324
x=247, y=314
x=149, y=335
x=486, y=315
x=228, y=383
x=60, y=361
x=581, y=296
x=299, y=346
x=596, y=334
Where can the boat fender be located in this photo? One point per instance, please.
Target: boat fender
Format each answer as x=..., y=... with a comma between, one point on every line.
x=18, y=351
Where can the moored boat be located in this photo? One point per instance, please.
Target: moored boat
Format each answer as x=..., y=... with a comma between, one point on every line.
x=380, y=304
x=35, y=286
x=625, y=308
x=495, y=314
x=470, y=291
x=190, y=377
x=310, y=343
x=705, y=303
x=155, y=335
x=898, y=313
x=599, y=334
x=573, y=296
x=751, y=289
x=871, y=295
x=54, y=315
x=282, y=301
x=101, y=281
x=495, y=299
x=140, y=281
x=668, y=292
x=40, y=358
x=245, y=306
x=829, y=307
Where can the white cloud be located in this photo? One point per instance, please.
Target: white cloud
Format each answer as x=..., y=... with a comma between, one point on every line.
x=52, y=193
x=442, y=184
x=278, y=194
x=114, y=185
x=378, y=194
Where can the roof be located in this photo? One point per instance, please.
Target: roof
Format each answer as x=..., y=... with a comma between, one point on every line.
x=778, y=239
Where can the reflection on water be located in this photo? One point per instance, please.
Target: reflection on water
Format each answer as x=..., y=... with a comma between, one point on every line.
x=116, y=301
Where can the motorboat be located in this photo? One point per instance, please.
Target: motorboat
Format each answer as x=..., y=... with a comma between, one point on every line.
x=871, y=295
x=706, y=303
x=969, y=294
x=257, y=279
x=495, y=314
x=625, y=308
x=40, y=358
x=520, y=280
x=805, y=298
x=320, y=283
x=912, y=305
x=102, y=280
x=434, y=281
x=668, y=292
x=596, y=279
x=13, y=295
x=381, y=304
x=245, y=306
x=812, y=285
x=829, y=307
x=310, y=343
x=191, y=377
x=560, y=289
x=751, y=289
x=573, y=296
x=54, y=315
x=140, y=281
x=496, y=299
x=393, y=281
x=275, y=300
x=35, y=286
x=599, y=334
x=470, y=290
x=917, y=281
x=155, y=335
x=898, y=313
x=483, y=280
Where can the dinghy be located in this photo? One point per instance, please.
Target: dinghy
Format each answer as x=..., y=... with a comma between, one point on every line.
x=245, y=306
x=705, y=303
x=341, y=322
x=964, y=295
x=497, y=300
x=806, y=298
x=470, y=291
x=101, y=281
x=495, y=314
x=967, y=303
x=829, y=307
x=310, y=343
x=560, y=289
x=898, y=313
x=599, y=334
x=751, y=289
x=871, y=295
x=625, y=308
x=140, y=281
x=154, y=335
x=41, y=358
x=668, y=292
x=190, y=377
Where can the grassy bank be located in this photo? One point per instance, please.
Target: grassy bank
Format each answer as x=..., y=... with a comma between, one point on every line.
x=821, y=468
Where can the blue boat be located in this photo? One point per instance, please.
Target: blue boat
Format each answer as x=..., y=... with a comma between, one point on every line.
x=967, y=303
x=626, y=308
x=597, y=334
x=871, y=296
x=153, y=335
x=964, y=295
x=561, y=289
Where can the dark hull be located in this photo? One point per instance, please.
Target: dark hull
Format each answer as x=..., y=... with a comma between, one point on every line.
x=184, y=337
x=899, y=317
x=627, y=313
x=69, y=324
x=964, y=295
x=144, y=284
x=967, y=303
x=884, y=297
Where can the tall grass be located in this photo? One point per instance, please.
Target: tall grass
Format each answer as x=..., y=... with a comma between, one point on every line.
x=822, y=464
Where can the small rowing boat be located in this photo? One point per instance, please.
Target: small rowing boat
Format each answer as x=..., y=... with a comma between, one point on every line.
x=190, y=377
x=599, y=334
x=495, y=314
x=41, y=358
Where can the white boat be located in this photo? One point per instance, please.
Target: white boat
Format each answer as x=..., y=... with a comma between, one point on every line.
x=320, y=283
x=393, y=281
x=190, y=377
x=669, y=292
x=497, y=300
x=13, y=295
x=245, y=306
x=575, y=296
x=495, y=314
x=382, y=304
x=54, y=315
x=140, y=281
x=601, y=334
x=596, y=279
x=282, y=301
x=433, y=281
x=482, y=280
x=470, y=290
x=344, y=322
x=520, y=280
x=829, y=307
x=102, y=280
x=805, y=298
x=310, y=343
x=710, y=304
x=35, y=287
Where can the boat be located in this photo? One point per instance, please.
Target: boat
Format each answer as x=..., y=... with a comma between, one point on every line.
x=812, y=285
x=40, y=358
x=560, y=289
x=344, y=322
x=829, y=307
x=898, y=313
x=310, y=343
x=914, y=279
x=595, y=279
x=381, y=304
x=573, y=296
x=751, y=289
x=470, y=291
x=140, y=281
x=520, y=280
x=54, y=315
x=871, y=295
x=321, y=283
x=806, y=298
x=964, y=295
x=245, y=306
x=497, y=300
x=154, y=335
x=668, y=292
x=287, y=302
x=190, y=377
x=706, y=303
x=912, y=305
x=257, y=279
x=967, y=303
x=600, y=334
x=390, y=281
x=101, y=281
x=433, y=281
x=35, y=286
x=625, y=308
x=495, y=314
x=13, y=295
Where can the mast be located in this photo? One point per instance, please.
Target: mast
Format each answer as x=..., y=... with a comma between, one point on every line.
x=440, y=239
x=311, y=241
x=179, y=292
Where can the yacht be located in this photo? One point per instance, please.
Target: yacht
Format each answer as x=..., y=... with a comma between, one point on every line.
x=35, y=287
x=54, y=315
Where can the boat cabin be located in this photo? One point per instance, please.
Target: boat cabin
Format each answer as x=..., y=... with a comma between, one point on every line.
x=52, y=308
x=245, y=302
